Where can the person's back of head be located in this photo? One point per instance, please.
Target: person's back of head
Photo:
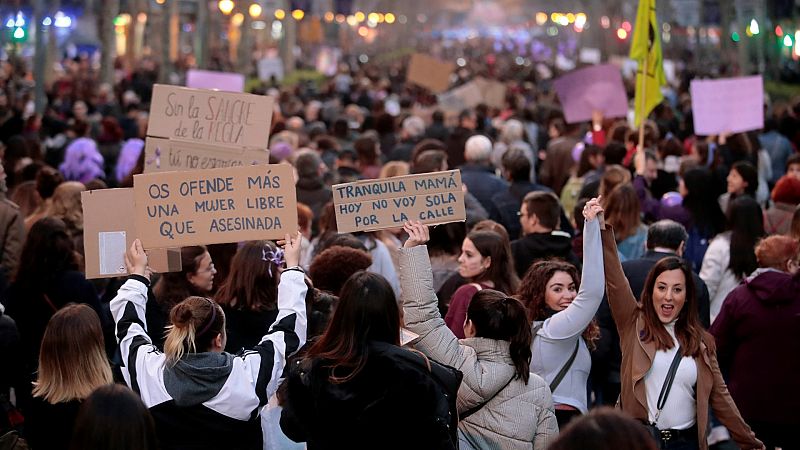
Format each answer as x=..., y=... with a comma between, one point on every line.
x=252, y=283
x=430, y=161
x=330, y=269
x=394, y=169
x=512, y=131
x=47, y=180
x=614, y=153
x=367, y=311
x=48, y=250
x=367, y=151
x=516, y=165
x=425, y=145
x=67, y=203
x=478, y=149
x=308, y=164
x=787, y=190
x=622, y=210
x=604, y=429
x=778, y=252
x=413, y=127
x=114, y=418
x=613, y=176
x=437, y=117
x=495, y=315
x=72, y=358
x=197, y=325
x=746, y=223
x=545, y=206
x=666, y=234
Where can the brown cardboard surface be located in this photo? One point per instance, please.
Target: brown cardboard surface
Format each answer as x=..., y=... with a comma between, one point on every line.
x=429, y=72
x=166, y=155
x=215, y=206
x=369, y=205
x=492, y=91
x=111, y=210
x=210, y=117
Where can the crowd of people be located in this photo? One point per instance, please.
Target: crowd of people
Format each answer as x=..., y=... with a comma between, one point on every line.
x=590, y=272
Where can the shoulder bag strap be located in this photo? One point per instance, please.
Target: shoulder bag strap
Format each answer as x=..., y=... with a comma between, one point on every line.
x=565, y=368
x=662, y=397
x=478, y=407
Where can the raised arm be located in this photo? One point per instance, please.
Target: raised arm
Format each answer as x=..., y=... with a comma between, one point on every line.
x=421, y=316
x=577, y=316
x=620, y=297
x=128, y=310
x=288, y=333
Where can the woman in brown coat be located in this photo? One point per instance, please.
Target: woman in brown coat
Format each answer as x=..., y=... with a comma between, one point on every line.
x=651, y=334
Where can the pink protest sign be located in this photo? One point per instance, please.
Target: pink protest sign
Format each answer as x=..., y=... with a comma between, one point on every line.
x=593, y=88
x=730, y=105
x=222, y=81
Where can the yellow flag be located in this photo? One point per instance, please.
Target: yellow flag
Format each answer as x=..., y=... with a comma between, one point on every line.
x=646, y=50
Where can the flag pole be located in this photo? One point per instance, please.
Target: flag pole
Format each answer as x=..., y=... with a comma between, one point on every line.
x=639, y=155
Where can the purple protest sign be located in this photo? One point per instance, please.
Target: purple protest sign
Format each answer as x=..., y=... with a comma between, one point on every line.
x=223, y=81
x=593, y=88
x=730, y=105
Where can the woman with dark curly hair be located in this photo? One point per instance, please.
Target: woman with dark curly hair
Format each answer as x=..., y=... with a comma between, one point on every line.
x=562, y=319
x=331, y=268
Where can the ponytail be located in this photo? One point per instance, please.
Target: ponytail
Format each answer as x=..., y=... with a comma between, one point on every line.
x=195, y=323
x=496, y=316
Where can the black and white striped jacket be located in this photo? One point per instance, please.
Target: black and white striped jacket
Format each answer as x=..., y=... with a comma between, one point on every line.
x=208, y=400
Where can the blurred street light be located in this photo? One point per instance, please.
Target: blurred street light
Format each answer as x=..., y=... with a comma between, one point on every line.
x=254, y=10
x=225, y=6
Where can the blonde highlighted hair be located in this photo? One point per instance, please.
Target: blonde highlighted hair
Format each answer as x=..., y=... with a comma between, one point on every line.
x=72, y=358
x=194, y=323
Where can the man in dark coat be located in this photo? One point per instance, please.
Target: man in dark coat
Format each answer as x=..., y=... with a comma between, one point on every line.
x=539, y=216
x=478, y=174
x=467, y=122
x=664, y=238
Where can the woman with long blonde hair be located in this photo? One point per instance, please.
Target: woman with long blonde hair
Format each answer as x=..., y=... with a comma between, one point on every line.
x=72, y=363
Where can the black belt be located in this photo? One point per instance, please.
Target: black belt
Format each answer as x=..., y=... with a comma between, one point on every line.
x=673, y=434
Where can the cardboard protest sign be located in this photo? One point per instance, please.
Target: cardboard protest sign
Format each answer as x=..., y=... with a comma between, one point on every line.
x=223, y=81
x=429, y=72
x=215, y=206
x=269, y=67
x=210, y=117
x=109, y=230
x=165, y=155
x=593, y=88
x=492, y=92
x=466, y=96
x=731, y=105
x=377, y=204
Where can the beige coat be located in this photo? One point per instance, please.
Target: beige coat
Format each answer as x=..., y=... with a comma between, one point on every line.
x=521, y=415
x=12, y=236
x=637, y=358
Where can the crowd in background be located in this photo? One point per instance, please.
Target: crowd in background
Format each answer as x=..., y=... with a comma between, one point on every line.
x=523, y=316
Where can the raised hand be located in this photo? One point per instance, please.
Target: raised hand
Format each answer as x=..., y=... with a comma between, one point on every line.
x=592, y=209
x=136, y=260
x=291, y=249
x=418, y=234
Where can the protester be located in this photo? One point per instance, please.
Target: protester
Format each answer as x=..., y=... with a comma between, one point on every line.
x=200, y=396
x=72, y=363
x=656, y=333
x=756, y=335
x=785, y=198
x=485, y=263
x=604, y=429
x=500, y=403
x=730, y=256
x=742, y=180
x=539, y=216
x=561, y=315
x=249, y=294
x=356, y=388
x=114, y=418
x=506, y=203
x=477, y=173
x=623, y=212
x=331, y=269
x=196, y=278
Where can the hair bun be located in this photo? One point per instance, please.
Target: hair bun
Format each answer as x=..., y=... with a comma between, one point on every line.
x=181, y=314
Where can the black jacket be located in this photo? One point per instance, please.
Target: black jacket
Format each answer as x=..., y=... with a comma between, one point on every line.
x=245, y=328
x=390, y=404
x=606, y=359
x=536, y=246
x=314, y=194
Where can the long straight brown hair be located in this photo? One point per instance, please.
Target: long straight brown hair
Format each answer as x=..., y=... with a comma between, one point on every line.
x=72, y=359
x=688, y=329
x=252, y=284
x=367, y=311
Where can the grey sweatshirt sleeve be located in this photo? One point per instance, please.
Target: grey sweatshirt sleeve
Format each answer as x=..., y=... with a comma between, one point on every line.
x=576, y=317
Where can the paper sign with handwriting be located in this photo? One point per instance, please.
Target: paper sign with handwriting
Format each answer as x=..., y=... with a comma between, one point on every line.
x=593, y=88
x=210, y=117
x=429, y=72
x=215, y=206
x=165, y=155
x=730, y=105
x=206, y=79
x=387, y=203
